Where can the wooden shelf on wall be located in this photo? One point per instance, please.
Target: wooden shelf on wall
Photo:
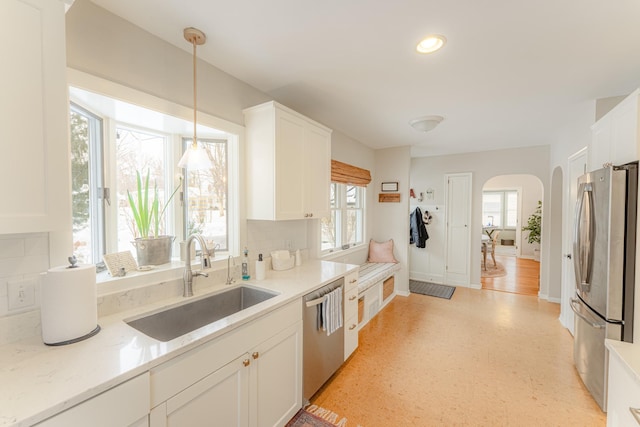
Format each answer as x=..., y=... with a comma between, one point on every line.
x=389, y=197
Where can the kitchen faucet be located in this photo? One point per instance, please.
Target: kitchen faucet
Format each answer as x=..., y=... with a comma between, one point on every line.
x=230, y=279
x=188, y=275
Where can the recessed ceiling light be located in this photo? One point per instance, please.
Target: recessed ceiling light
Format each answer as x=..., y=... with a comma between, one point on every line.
x=431, y=43
x=426, y=123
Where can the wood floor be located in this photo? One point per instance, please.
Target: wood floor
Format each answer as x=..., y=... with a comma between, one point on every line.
x=482, y=358
x=522, y=276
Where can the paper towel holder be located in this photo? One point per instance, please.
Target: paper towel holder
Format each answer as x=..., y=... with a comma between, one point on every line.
x=75, y=340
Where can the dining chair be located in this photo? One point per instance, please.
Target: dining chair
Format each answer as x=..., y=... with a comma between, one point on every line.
x=494, y=243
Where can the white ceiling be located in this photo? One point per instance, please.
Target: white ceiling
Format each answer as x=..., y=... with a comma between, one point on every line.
x=510, y=75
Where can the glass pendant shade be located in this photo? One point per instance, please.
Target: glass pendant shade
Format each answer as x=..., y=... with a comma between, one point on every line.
x=195, y=158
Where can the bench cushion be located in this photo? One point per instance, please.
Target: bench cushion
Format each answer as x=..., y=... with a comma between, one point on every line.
x=374, y=272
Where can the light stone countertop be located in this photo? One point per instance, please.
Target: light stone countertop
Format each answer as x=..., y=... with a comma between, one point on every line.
x=629, y=354
x=38, y=381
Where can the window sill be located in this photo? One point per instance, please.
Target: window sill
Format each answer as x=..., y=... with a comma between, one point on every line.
x=163, y=273
x=329, y=256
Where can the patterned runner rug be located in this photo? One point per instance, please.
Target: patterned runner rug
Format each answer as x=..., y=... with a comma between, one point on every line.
x=316, y=416
x=431, y=289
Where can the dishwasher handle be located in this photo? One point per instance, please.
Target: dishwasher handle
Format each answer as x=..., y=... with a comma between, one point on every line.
x=313, y=302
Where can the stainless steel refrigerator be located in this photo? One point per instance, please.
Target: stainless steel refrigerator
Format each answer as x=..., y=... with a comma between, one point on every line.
x=604, y=259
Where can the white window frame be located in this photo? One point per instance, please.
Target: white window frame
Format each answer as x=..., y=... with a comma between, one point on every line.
x=503, y=206
x=341, y=210
x=234, y=135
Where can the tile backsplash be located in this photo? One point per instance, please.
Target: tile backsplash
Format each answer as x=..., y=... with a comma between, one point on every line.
x=266, y=236
x=22, y=258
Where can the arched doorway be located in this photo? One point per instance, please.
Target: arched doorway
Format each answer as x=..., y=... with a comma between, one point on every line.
x=509, y=203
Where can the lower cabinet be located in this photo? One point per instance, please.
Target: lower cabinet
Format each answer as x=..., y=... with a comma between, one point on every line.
x=260, y=385
x=126, y=405
x=350, y=314
x=623, y=402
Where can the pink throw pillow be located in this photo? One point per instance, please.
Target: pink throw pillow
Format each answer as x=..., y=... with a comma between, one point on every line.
x=381, y=252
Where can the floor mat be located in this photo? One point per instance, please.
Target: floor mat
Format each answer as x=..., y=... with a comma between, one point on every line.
x=316, y=416
x=431, y=289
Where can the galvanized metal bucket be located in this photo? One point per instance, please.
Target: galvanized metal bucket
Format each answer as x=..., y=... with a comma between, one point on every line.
x=153, y=250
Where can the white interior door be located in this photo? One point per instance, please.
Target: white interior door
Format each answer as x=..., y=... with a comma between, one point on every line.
x=577, y=166
x=458, y=229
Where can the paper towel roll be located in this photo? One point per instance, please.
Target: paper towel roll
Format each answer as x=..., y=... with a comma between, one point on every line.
x=68, y=309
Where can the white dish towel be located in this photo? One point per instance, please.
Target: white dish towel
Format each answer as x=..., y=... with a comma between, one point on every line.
x=332, y=311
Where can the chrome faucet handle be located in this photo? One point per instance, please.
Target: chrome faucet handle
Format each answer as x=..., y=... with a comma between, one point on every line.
x=200, y=273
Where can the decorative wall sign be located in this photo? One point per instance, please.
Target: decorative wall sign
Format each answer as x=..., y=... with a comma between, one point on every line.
x=389, y=186
x=389, y=197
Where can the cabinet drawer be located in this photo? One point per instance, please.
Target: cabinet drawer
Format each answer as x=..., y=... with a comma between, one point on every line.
x=177, y=374
x=351, y=303
x=123, y=405
x=351, y=281
x=350, y=336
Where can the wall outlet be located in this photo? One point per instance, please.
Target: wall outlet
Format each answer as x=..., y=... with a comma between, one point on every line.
x=21, y=294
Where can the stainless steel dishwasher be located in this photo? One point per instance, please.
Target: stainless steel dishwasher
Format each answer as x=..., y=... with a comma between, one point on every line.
x=322, y=354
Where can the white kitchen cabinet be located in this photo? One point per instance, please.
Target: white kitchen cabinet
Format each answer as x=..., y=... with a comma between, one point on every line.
x=34, y=165
x=623, y=395
x=126, y=405
x=616, y=137
x=240, y=379
x=288, y=164
x=222, y=396
x=350, y=314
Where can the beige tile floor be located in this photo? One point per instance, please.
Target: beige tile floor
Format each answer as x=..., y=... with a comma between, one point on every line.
x=483, y=358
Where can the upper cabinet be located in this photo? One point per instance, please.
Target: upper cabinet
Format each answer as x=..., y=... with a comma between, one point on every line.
x=616, y=137
x=288, y=164
x=34, y=160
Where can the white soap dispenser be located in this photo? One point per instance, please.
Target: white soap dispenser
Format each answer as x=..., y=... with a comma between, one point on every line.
x=260, y=268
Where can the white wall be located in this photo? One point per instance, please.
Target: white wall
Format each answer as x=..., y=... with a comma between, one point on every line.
x=391, y=220
x=574, y=136
x=531, y=192
x=350, y=151
x=428, y=172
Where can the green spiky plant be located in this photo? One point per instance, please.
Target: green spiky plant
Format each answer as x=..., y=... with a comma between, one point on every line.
x=534, y=224
x=146, y=212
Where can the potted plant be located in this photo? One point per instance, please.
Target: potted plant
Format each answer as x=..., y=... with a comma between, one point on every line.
x=534, y=224
x=151, y=247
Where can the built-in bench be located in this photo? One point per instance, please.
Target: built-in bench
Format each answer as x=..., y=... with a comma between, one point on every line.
x=376, y=287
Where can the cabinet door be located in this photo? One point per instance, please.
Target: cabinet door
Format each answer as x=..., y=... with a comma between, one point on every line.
x=624, y=131
x=317, y=172
x=600, y=148
x=276, y=378
x=123, y=405
x=34, y=167
x=221, y=398
x=290, y=165
x=623, y=395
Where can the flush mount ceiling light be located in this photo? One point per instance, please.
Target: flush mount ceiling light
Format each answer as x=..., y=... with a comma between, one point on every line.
x=195, y=157
x=426, y=123
x=431, y=43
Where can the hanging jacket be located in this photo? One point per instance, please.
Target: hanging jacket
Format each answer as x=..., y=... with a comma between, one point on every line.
x=417, y=231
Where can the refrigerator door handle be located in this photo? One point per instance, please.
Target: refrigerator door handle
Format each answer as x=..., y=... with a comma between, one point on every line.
x=584, y=237
x=575, y=306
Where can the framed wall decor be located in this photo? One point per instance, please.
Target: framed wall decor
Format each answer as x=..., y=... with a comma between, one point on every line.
x=389, y=186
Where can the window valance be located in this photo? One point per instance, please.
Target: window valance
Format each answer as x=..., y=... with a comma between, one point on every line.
x=348, y=174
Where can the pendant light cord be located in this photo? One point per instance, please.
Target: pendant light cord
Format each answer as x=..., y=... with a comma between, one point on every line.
x=195, y=104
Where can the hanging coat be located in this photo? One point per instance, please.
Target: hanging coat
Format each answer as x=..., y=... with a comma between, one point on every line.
x=418, y=231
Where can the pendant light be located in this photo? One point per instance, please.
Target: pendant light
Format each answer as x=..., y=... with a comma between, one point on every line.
x=195, y=157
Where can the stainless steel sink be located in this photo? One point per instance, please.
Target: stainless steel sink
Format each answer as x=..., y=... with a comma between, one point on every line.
x=173, y=322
